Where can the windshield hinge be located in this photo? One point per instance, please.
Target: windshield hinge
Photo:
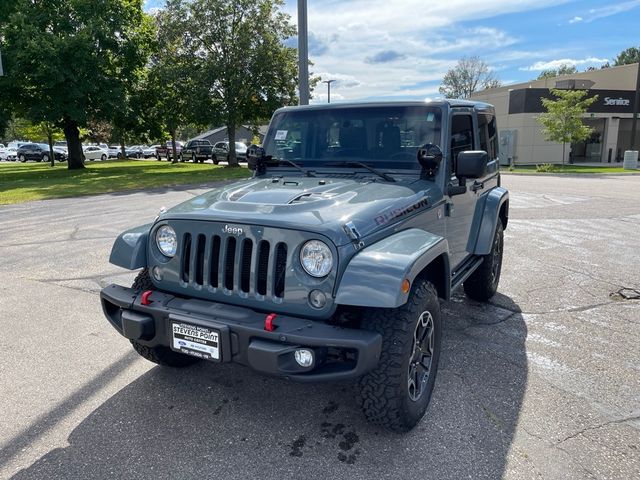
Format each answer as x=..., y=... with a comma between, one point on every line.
x=352, y=232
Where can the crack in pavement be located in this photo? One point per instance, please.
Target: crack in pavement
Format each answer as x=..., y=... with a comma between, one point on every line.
x=64, y=240
x=596, y=427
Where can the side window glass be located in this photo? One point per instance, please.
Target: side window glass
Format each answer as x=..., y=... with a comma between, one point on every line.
x=488, y=134
x=461, y=137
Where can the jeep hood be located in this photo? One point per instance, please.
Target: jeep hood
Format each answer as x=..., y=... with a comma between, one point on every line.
x=320, y=205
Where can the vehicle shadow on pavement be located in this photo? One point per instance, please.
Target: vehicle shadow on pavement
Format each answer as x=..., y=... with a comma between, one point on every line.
x=224, y=421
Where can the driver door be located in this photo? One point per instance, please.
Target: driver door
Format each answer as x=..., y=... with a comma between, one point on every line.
x=460, y=207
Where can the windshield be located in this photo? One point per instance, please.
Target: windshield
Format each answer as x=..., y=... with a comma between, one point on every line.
x=381, y=136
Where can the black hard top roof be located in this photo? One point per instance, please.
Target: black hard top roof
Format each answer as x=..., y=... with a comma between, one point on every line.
x=430, y=103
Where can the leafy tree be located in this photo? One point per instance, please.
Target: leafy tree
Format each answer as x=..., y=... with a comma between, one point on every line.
x=562, y=121
x=628, y=56
x=175, y=94
x=68, y=61
x=469, y=75
x=556, y=72
x=238, y=59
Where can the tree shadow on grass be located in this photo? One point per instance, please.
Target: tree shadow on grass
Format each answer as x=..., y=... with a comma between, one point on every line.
x=224, y=421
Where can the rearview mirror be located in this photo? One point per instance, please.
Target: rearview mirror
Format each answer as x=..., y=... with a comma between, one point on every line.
x=472, y=164
x=430, y=157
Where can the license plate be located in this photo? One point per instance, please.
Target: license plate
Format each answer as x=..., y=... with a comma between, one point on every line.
x=201, y=342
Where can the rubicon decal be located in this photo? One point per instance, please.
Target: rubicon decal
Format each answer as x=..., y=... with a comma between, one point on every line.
x=395, y=213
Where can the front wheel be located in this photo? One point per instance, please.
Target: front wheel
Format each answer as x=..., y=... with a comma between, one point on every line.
x=159, y=354
x=104, y=157
x=22, y=158
x=395, y=395
x=483, y=283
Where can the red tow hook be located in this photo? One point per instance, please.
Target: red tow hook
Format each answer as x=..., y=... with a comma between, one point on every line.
x=268, y=322
x=145, y=297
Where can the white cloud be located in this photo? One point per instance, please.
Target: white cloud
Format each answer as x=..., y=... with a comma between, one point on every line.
x=612, y=9
x=555, y=64
x=403, y=47
x=576, y=19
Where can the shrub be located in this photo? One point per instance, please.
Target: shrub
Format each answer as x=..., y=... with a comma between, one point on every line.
x=546, y=168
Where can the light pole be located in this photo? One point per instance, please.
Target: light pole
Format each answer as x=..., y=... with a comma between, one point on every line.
x=328, y=82
x=303, y=53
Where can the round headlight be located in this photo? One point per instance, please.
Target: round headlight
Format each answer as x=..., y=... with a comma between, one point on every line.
x=316, y=258
x=167, y=241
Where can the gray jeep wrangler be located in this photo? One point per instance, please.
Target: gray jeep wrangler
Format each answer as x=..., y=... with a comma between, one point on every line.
x=330, y=262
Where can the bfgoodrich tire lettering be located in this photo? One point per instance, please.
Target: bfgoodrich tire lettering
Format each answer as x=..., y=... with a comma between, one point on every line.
x=483, y=283
x=389, y=395
x=160, y=354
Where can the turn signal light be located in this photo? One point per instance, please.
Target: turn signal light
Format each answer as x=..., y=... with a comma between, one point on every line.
x=406, y=286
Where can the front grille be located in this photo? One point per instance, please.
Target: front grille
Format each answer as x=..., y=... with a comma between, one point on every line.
x=237, y=265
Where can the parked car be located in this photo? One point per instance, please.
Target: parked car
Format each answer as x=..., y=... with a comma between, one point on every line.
x=61, y=146
x=38, y=152
x=134, y=151
x=197, y=151
x=114, y=151
x=166, y=150
x=94, y=152
x=150, y=151
x=342, y=275
x=9, y=154
x=221, y=152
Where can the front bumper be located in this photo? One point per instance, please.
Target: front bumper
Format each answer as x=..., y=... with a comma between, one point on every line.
x=341, y=353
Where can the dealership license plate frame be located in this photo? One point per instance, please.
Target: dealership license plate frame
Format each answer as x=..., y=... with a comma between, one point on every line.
x=204, y=347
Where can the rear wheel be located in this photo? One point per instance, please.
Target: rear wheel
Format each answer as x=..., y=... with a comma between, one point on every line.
x=159, y=354
x=45, y=158
x=483, y=283
x=395, y=395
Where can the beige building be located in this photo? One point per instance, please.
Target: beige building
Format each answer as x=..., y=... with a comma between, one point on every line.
x=518, y=106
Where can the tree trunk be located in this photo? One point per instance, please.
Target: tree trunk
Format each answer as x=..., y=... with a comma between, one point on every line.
x=174, y=150
x=52, y=156
x=231, y=132
x=72, y=134
x=122, y=148
x=563, y=151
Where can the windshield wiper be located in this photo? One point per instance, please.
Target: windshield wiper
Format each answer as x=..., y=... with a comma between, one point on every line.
x=270, y=159
x=346, y=163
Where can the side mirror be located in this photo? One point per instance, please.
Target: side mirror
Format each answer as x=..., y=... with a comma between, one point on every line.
x=472, y=164
x=430, y=158
x=255, y=158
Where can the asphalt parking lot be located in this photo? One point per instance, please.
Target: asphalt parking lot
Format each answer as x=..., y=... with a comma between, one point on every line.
x=542, y=383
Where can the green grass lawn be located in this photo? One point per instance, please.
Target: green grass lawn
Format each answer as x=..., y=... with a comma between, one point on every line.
x=34, y=181
x=570, y=169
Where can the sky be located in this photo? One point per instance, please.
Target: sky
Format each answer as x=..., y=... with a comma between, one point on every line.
x=401, y=49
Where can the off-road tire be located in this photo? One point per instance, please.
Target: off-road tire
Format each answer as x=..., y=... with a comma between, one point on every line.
x=164, y=355
x=159, y=354
x=142, y=281
x=384, y=392
x=483, y=283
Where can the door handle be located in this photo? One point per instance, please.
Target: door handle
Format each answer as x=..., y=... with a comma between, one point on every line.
x=477, y=186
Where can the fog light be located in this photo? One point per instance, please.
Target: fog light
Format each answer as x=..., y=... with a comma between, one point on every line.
x=304, y=357
x=317, y=299
x=156, y=273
